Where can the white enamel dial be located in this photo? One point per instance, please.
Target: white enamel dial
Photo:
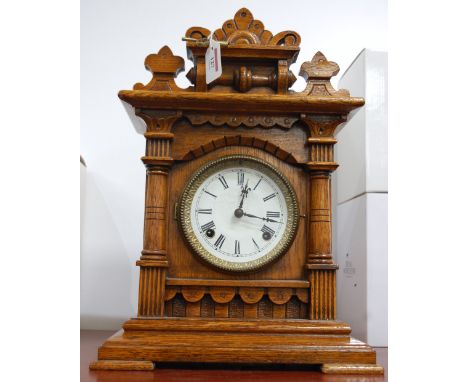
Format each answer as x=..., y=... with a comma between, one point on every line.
x=238, y=213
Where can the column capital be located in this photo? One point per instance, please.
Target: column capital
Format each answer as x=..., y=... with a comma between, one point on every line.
x=156, y=163
x=320, y=167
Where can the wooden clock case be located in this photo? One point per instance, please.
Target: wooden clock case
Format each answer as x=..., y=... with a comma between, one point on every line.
x=286, y=311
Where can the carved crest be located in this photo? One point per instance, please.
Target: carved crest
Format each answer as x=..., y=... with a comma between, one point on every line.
x=318, y=73
x=165, y=67
x=245, y=30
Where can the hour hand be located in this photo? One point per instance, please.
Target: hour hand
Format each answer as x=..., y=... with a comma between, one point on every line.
x=244, y=193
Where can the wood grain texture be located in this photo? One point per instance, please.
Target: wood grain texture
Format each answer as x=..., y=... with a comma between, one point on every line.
x=183, y=372
x=237, y=341
x=310, y=327
x=241, y=103
x=352, y=369
x=121, y=365
x=287, y=145
x=320, y=228
x=239, y=283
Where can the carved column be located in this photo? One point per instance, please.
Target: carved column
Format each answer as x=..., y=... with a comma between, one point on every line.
x=153, y=261
x=320, y=266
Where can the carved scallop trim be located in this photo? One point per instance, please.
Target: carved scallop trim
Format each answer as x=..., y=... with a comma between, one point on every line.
x=249, y=295
x=222, y=295
x=240, y=140
x=170, y=293
x=245, y=30
x=280, y=296
x=303, y=295
x=193, y=294
x=237, y=120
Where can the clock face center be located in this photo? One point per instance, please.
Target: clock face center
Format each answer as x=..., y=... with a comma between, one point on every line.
x=232, y=222
x=238, y=213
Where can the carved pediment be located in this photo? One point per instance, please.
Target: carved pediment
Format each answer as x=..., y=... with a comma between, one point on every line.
x=245, y=30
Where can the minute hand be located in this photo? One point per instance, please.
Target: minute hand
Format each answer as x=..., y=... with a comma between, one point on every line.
x=258, y=217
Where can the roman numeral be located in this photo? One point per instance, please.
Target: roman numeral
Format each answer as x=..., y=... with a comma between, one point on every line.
x=207, y=226
x=237, y=247
x=240, y=178
x=256, y=245
x=209, y=193
x=206, y=211
x=219, y=241
x=258, y=183
x=266, y=198
x=267, y=229
x=223, y=182
x=271, y=214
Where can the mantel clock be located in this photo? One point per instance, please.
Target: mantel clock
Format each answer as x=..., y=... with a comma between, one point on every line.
x=237, y=263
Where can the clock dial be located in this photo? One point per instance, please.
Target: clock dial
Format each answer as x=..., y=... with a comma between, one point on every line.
x=238, y=213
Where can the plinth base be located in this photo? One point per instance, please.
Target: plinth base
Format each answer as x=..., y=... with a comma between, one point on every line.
x=143, y=342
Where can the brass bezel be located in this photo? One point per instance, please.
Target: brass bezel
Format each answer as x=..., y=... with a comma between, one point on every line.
x=186, y=199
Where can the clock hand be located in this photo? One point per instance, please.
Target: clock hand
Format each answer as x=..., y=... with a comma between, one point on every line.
x=238, y=213
x=258, y=217
x=244, y=193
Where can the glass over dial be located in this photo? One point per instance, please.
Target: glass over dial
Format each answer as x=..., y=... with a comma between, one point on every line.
x=239, y=213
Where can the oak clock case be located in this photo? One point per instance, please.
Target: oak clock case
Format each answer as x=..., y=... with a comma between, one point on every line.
x=234, y=225
x=237, y=263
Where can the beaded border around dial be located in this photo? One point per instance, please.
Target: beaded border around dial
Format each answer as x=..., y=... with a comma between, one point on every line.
x=211, y=168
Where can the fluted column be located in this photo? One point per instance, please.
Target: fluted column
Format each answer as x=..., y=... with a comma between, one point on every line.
x=154, y=260
x=320, y=267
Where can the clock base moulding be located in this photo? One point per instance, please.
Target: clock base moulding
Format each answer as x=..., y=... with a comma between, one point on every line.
x=142, y=343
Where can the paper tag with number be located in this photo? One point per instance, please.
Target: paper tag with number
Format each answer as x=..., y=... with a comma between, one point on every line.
x=213, y=61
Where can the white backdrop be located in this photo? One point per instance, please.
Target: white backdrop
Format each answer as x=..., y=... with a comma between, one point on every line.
x=116, y=36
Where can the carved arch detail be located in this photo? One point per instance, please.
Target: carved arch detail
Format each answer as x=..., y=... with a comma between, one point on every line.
x=240, y=140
